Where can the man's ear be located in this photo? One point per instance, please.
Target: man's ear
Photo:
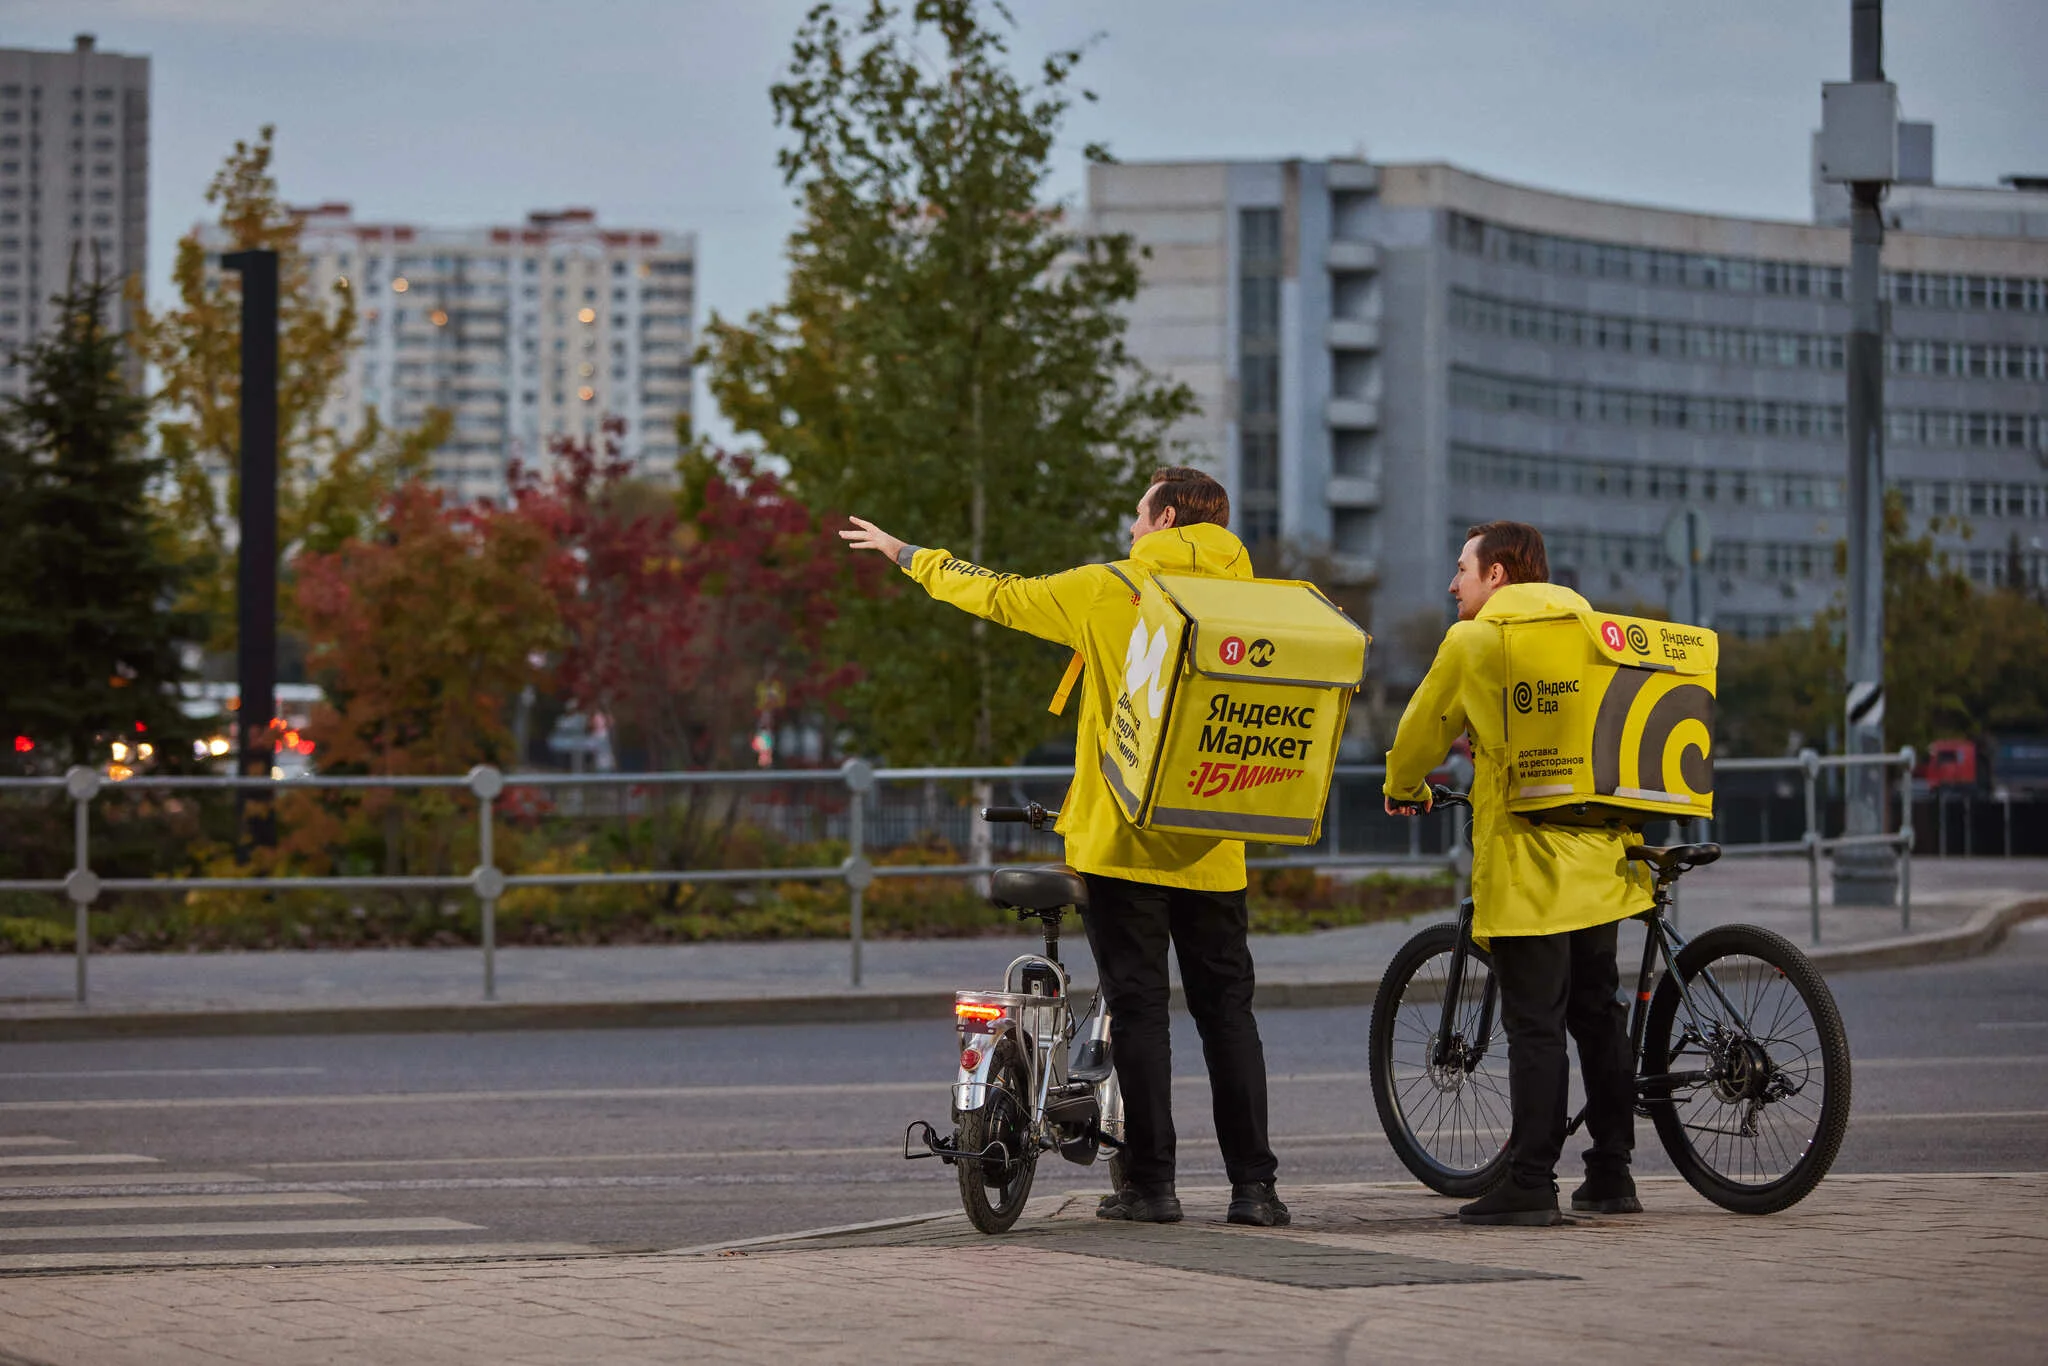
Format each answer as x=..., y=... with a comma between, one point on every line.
x=1497, y=575
x=1166, y=518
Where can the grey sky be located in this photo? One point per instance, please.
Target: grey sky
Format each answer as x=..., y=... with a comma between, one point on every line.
x=655, y=112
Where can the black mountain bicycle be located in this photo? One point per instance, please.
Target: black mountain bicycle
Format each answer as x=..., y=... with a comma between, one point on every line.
x=1742, y=1061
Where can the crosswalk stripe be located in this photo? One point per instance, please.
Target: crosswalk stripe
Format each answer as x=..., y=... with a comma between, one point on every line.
x=74, y=1159
x=32, y=1141
x=259, y=1228
x=54, y=1204
x=103, y=1179
x=290, y=1256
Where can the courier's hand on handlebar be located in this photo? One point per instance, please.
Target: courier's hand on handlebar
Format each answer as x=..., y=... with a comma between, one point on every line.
x=1439, y=795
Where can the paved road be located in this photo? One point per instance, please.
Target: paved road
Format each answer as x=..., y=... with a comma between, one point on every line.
x=124, y=1153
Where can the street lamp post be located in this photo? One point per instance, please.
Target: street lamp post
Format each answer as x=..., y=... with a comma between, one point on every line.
x=1859, y=147
x=256, y=562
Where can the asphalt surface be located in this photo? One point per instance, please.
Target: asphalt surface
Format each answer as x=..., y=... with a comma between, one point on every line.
x=648, y=1139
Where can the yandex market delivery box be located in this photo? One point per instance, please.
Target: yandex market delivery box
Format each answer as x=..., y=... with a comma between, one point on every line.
x=1609, y=719
x=1231, y=703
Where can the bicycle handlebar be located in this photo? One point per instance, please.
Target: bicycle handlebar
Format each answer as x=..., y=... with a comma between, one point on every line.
x=1031, y=814
x=1441, y=796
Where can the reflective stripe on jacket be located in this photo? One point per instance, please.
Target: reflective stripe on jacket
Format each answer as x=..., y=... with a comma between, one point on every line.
x=1091, y=610
x=1526, y=878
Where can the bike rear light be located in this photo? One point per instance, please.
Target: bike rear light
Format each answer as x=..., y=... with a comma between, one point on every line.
x=970, y=1059
x=970, y=1010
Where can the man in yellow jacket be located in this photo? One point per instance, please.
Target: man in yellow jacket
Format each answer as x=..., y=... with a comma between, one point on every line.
x=1546, y=900
x=1144, y=888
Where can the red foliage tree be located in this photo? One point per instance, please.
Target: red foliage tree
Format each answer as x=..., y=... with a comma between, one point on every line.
x=691, y=616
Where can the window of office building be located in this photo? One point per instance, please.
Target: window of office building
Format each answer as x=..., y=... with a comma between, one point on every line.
x=1733, y=274
x=1258, y=360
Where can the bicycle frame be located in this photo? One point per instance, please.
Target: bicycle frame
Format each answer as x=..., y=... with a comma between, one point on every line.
x=1661, y=943
x=1034, y=1010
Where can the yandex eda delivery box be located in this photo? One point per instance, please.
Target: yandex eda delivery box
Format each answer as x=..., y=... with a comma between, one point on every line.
x=1609, y=719
x=1231, y=703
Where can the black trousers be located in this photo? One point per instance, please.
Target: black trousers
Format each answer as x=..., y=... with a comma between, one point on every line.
x=1550, y=984
x=1129, y=925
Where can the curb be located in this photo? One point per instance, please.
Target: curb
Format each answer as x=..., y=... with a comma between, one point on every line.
x=1978, y=935
x=1981, y=934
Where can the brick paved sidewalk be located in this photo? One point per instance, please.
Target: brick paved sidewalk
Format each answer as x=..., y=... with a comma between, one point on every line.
x=1869, y=1269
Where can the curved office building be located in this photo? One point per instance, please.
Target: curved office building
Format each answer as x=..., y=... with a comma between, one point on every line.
x=1386, y=354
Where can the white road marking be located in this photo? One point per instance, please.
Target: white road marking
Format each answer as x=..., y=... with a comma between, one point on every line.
x=783, y=1091
x=103, y=1179
x=34, y=1141
x=75, y=1159
x=167, y=1072
x=255, y=1200
x=259, y=1228
x=292, y=1256
x=2012, y=1024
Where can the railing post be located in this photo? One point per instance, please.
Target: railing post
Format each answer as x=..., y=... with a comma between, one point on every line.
x=1809, y=764
x=81, y=885
x=487, y=782
x=1337, y=818
x=856, y=870
x=1908, y=833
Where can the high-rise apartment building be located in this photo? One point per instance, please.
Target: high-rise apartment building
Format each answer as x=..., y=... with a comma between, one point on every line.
x=521, y=333
x=1385, y=354
x=74, y=181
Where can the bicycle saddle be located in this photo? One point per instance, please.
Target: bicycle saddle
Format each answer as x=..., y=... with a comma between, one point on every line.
x=1048, y=887
x=1673, y=859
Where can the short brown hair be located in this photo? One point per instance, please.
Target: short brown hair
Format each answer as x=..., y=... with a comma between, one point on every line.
x=1193, y=496
x=1516, y=547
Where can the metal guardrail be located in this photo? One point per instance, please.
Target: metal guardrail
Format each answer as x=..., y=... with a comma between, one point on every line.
x=488, y=882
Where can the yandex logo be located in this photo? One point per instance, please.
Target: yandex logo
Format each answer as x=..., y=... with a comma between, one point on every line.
x=1142, y=664
x=1212, y=779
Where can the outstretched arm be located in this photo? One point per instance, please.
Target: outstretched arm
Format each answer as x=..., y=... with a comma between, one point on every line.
x=1052, y=608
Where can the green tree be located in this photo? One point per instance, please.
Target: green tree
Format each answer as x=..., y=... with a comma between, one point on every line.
x=330, y=484
x=950, y=357
x=1958, y=661
x=86, y=576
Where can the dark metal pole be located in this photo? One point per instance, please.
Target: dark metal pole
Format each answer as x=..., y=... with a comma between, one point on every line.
x=1865, y=875
x=256, y=570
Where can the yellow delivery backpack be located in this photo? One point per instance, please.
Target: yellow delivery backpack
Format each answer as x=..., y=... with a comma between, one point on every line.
x=1231, y=704
x=1609, y=719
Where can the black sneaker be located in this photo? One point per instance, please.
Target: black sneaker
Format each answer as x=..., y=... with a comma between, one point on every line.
x=1508, y=1203
x=1160, y=1206
x=1607, y=1193
x=1258, y=1204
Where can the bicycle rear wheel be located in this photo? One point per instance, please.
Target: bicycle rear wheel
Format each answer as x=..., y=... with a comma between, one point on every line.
x=1446, y=1111
x=993, y=1190
x=1761, y=1128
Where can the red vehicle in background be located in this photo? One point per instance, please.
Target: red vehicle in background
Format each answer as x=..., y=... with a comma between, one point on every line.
x=2011, y=763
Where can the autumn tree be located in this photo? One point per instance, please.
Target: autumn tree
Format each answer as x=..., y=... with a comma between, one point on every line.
x=92, y=654
x=330, y=481
x=689, y=616
x=949, y=359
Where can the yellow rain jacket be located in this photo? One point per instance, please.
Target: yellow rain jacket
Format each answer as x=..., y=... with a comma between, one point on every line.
x=1526, y=879
x=1090, y=610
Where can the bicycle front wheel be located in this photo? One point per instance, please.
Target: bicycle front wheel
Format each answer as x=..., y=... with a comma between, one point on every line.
x=1756, y=1099
x=1443, y=1101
